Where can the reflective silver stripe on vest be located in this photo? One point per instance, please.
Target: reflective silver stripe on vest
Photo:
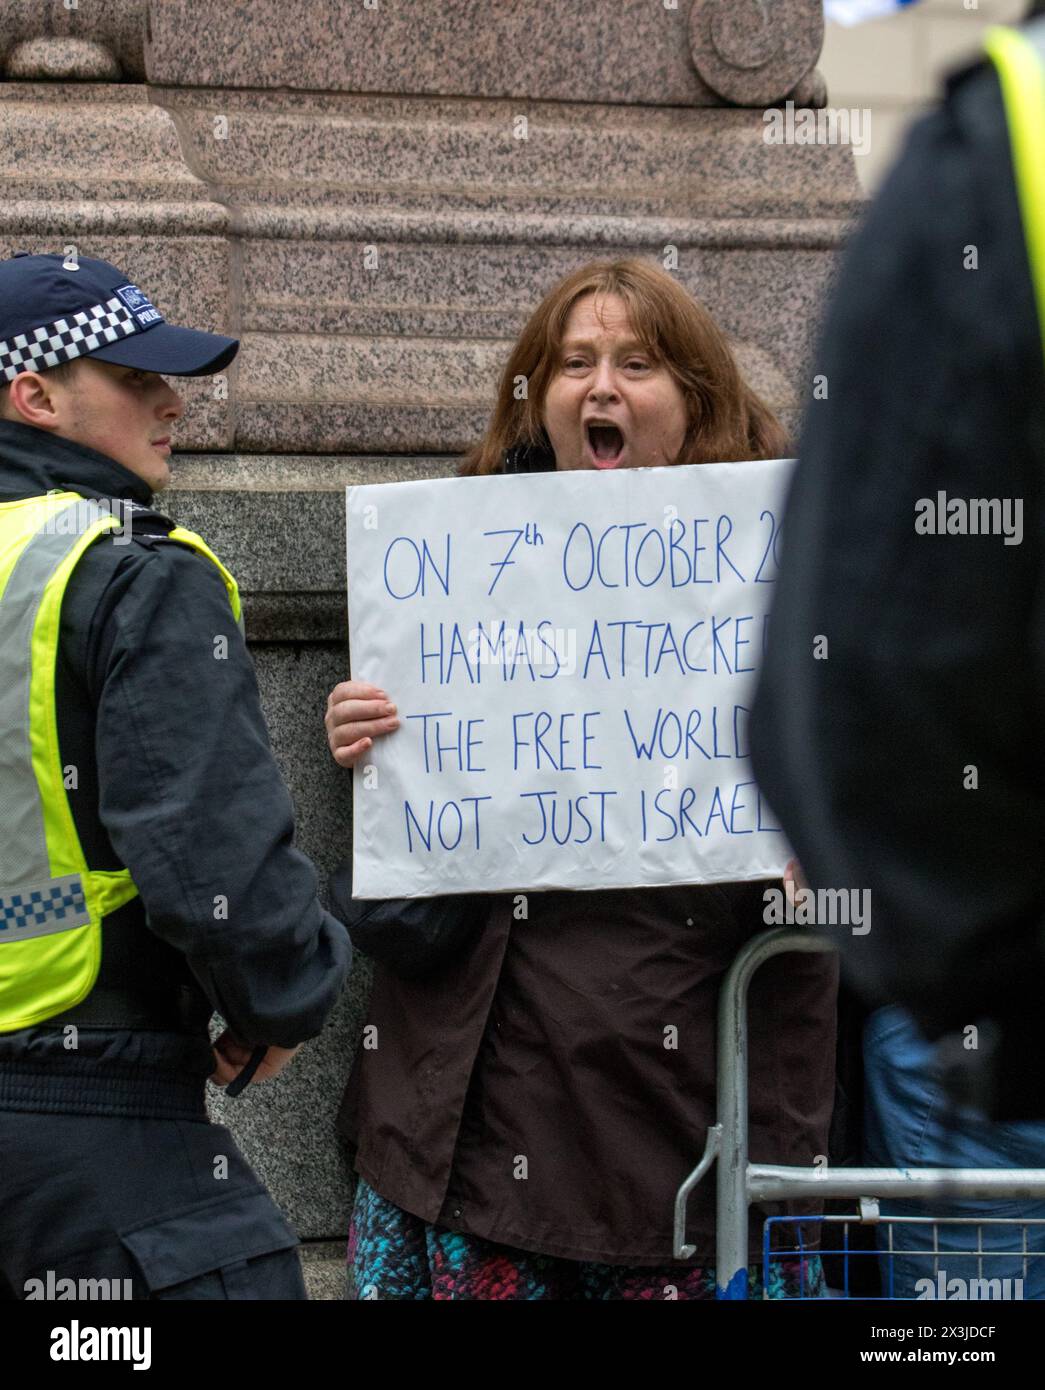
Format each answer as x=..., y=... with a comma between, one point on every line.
x=23, y=844
x=41, y=909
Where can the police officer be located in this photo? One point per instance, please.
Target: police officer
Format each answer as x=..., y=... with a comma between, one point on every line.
x=147, y=872
x=904, y=752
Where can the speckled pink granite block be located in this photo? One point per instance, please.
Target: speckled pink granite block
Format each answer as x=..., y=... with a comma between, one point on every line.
x=77, y=39
x=655, y=52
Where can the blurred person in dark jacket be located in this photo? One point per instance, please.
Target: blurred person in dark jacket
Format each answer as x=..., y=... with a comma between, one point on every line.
x=897, y=729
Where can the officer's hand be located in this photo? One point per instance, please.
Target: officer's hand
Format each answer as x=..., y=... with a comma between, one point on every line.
x=357, y=713
x=231, y=1056
x=275, y=1059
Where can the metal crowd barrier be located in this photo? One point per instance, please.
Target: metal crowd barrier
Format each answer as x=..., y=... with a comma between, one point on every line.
x=740, y=1182
x=927, y=1271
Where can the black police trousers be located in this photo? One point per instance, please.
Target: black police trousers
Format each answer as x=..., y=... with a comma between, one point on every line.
x=99, y=1206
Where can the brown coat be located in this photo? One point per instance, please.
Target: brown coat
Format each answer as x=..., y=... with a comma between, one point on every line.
x=544, y=1041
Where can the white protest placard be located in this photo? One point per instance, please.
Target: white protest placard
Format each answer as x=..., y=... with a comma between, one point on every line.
x=572, y=656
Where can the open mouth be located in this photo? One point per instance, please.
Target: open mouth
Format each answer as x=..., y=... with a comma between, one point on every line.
x=606, y=444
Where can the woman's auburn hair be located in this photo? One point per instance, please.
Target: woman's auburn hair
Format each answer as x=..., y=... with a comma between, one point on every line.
x=727, y=420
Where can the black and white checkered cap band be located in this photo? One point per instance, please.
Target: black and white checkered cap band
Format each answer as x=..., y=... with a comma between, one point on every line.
x=79, y=333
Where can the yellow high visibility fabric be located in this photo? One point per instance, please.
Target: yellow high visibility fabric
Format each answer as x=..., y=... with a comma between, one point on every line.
x=46, y=975
x=43, y=976
x=198, y=544
x=1022, y=78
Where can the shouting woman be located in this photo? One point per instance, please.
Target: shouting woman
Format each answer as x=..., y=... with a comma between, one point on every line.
x=542, y=1037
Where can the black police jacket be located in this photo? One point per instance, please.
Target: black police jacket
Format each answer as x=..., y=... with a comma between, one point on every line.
x=175, y=780
x=909, y=759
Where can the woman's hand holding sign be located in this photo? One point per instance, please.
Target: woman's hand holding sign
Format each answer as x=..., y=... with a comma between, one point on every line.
x=357, y=713
x=794, y=880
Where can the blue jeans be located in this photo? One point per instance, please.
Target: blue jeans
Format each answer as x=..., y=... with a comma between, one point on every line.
x=908, y=1123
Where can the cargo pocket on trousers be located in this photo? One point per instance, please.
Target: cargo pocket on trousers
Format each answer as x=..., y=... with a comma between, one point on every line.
x=238, y=1248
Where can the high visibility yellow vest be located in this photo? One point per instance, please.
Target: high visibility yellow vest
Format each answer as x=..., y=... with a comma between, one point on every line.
x=51, y=903
x=1019, y=57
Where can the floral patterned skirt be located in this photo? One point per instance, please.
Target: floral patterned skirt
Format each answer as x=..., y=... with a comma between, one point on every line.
x=393, y=1255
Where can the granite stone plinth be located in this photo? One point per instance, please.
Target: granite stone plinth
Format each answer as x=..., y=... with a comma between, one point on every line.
x=391, y=249
x=377, y=256
x=656, y=52
x=73, y=39
x=81, y=60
